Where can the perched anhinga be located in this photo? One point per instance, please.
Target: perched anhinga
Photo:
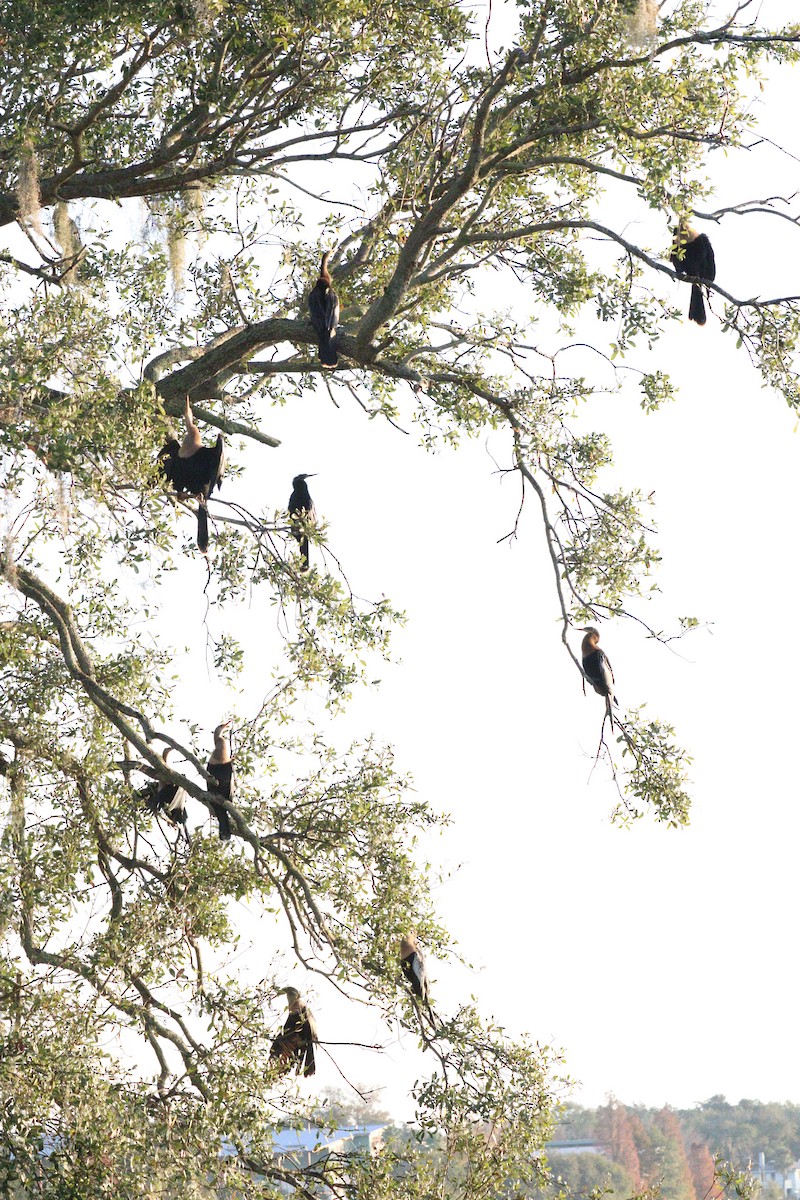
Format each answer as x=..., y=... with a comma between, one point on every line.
x=413, y=965
x=301, y=506
x=166, y=798
x=294, y=1045
x=693, y=258
x=323, y=307
x=221, y=767
x=597, y=668
x=194, y=469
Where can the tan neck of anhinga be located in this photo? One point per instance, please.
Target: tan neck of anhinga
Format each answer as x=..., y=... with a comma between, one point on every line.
x=324, y=274
x=407, y=946
x=222, y=750
x=191, y=440
x=589, y=644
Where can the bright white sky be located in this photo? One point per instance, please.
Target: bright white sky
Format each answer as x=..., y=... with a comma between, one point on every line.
x=662, y=962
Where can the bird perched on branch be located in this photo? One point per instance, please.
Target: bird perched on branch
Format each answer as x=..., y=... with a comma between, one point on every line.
x=220, y=765
x=693, y=258
x=194, y=469
x=301, y=512
x=294, y=1045
x=323, y=307
x=413, y=965
x=166, y=798
x=597, y=668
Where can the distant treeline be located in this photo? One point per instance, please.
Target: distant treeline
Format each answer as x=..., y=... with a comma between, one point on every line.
x=674, y=1147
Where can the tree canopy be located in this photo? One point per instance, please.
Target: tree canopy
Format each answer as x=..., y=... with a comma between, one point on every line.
x=455, y=163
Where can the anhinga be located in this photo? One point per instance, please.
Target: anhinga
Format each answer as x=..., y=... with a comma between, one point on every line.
x=323, y=307
x=301, y=512
x=597, y=668
x=693, y=258
x=413, y=965
x=294, y=1045
x=166, y=798
x=195, y=470
x=220, y=766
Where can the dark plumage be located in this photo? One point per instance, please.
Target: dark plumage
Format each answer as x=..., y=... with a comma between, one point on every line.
x=195, y=470
x=597, y=668
x=413, y=966
x=301, y=512
x=693, y=258
x=323, y=307
x=221, y=767
x=165, y=798
x=294, y=1045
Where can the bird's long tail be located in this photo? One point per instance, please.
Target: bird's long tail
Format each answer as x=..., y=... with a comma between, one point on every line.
x=202, y=527
x=304, y=552
x=697, y=309
x=327, y=349
x=224, y=822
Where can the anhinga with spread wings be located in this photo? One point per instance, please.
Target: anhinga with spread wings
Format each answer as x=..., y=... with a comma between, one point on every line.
x=323, y=307
x=693, y=258
x=220, y=765
x=166, y=798
x=597, y=668
x=301, y=512
x=194, y=469
x=294, y=1045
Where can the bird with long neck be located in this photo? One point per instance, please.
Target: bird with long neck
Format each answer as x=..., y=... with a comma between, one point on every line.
x=323, y=308
x=294, y=1045
x=597, y=668
x=693, y=258
x=301, y=513
x=220, y=765
x=194, y=469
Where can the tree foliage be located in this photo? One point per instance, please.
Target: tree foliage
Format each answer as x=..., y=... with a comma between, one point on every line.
x=220, y=116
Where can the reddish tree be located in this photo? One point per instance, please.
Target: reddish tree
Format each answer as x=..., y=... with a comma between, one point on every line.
x=701, y=1166
x=676, y=1178
x=615, y=1132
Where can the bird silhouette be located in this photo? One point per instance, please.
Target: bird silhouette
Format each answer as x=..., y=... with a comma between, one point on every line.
x=323, y=307
x=597, y=668
x=195, y=470
x=301, y=512
x=166, y=798
x=693, y=258
x=294, y=1045
x=413, y=966
x=220, y=766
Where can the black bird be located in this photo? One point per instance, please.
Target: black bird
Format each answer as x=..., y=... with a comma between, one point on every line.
x=221, y=767
x=693, y=258
x=294, y=1045
x=195, y=470
x=301, y=511
x=413, y=965
x=597, y=668
x=323, y=307
x=166, y=798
